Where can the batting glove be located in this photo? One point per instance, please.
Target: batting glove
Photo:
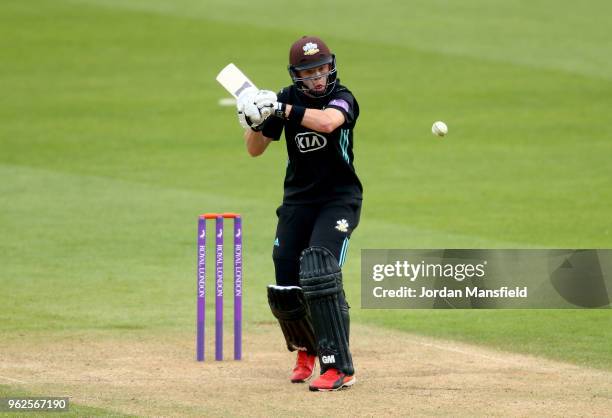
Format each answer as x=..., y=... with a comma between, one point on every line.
x=265, y=100
x=250, y=117
x=247, y=96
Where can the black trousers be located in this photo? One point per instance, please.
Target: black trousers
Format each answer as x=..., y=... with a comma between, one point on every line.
x=326, y=225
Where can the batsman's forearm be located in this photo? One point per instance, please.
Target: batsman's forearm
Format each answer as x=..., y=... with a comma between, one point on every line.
x=314, y=119
x=256, y=143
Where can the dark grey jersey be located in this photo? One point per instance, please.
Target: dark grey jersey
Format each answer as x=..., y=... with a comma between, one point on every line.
x=320, y=166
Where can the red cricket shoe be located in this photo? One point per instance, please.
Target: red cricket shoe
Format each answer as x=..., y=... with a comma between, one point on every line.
x=304, y=367
x=332, y=379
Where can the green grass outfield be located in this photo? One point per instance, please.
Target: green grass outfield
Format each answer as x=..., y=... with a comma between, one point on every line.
x=112, y=142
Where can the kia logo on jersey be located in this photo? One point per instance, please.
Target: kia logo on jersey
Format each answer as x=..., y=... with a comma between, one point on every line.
x=310, y=141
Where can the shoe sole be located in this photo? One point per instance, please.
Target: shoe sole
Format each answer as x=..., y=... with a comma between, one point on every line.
x=344, y=385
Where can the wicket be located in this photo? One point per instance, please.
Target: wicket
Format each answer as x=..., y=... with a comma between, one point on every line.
x=201, y=284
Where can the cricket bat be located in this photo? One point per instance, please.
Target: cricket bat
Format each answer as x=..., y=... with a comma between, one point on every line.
x=234, y=81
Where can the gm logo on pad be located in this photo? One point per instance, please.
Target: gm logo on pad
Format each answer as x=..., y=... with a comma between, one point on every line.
x=310, y=141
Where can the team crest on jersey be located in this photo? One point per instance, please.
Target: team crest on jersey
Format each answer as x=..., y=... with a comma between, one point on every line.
x=310, y=141
x=342, y=225
x=310, y=48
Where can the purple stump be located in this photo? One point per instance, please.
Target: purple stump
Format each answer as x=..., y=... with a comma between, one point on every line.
x=219, y=289
x=237, y=288
x=201, y=288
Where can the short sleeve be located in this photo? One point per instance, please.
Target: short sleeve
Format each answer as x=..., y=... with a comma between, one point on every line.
x=273, y=128
x=345, y=103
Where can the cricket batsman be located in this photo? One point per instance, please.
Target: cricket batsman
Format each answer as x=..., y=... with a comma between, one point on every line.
x=320, y=209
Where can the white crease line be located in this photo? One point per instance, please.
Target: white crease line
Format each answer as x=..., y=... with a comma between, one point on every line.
x=532, y=364
x=500, y=359
x=10, y=379
x=456, y=350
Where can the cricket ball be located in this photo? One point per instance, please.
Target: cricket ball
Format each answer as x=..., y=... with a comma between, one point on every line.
x=439, y=128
